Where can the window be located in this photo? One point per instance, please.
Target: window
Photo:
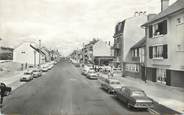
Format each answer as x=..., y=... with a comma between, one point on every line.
x=150, y=31
x=159, y=51
x=179, y=20
x=135, y=52
x=132, y=67
x=158, y=29
x=161, y=75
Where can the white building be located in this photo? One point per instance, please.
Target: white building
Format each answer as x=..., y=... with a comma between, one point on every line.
x=102, y=53
x=28, y=52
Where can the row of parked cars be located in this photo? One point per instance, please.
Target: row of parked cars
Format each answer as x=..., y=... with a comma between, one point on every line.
x=36, y=72
x=133, y=97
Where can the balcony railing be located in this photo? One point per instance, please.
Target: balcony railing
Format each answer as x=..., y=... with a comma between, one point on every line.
x=137, y=59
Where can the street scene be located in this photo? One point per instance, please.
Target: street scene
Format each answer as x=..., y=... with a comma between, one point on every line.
x=100, y=57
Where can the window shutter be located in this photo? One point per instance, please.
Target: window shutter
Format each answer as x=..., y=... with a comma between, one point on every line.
x=150, y=31
x=164, y=27
x=165, y=51
x=150, y=52
x=137, y=52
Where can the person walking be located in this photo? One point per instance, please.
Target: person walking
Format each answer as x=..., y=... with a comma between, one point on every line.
x=2, y=91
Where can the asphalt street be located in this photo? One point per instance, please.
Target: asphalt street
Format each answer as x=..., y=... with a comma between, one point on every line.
x=64, y=91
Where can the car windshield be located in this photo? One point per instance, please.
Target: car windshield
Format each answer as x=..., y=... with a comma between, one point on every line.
x=27, y=73
x=114, y=82
x=138, y=94
x=91, y=71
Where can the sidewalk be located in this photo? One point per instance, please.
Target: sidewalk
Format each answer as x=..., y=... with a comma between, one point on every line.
x=171, y=97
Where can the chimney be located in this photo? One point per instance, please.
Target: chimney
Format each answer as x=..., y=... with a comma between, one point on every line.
x=164, y=4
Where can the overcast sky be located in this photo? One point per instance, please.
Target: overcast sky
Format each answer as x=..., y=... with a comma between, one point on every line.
x=66, y=24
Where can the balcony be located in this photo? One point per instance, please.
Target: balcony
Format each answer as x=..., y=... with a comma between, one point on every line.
x=137, y=59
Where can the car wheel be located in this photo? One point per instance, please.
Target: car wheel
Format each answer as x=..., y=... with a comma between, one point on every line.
x=109, y=91
x=128, y=105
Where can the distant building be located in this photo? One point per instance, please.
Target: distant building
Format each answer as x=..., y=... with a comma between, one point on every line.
x=28, y=52
x=165, y=45
x=102, y=53
x=87, y=52
x=6, y=53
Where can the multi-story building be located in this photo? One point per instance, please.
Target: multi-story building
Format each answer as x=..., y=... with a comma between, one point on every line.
x=135, y=64
x=102, y=53
x=127, y=33
x=29, y=53
x=165, y=45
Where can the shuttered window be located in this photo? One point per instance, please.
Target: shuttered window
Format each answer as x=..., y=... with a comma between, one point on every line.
x=159, y=51
x=150, y=52
x=150, y=31
x=165, y=52
x=164, y=27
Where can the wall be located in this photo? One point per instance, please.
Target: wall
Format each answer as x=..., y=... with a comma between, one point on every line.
x=132, y=33
x=101, y=49
x=173, y=37
x=27, y=56
x=177, y=78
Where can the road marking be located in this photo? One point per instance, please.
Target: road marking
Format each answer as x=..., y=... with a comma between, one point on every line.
x=153, y=111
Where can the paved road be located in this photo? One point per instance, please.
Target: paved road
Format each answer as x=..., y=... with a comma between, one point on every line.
x=64, y=91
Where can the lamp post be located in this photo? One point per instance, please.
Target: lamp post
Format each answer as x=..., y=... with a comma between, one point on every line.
x=39, y=52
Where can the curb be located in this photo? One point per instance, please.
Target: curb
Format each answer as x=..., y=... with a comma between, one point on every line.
x=153, y=112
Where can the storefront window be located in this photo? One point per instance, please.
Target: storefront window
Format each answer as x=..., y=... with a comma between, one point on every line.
x=161, y=76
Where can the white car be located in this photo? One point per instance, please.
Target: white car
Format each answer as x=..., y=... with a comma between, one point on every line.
x=91, y=74
x=26, y=77
x=111, y=85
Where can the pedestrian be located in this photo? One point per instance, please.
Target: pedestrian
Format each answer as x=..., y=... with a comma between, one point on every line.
x=2, y=91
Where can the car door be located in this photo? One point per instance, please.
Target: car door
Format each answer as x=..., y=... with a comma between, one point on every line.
x=122, y=94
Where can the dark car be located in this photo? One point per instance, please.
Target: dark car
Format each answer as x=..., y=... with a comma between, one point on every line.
x=134, y=97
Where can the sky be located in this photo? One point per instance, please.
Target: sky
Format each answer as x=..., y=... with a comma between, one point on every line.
x=66, y=24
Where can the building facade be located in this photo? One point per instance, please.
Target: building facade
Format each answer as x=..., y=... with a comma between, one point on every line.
x=165, y=45
x=135, y=64
x=127, y=33
x=102, y=53
x=28, y=53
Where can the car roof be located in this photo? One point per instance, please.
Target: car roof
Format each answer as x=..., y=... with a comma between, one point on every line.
x=111, y=80
x=133, y=88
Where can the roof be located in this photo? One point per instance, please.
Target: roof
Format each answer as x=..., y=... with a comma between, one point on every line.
x=140, y=43
x=177, y=6
x=133, y=88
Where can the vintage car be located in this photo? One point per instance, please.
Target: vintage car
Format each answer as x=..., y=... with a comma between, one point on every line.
x=91, y=74
x=111, y=85
x=134, y=97
x=29, y=71
x=26, y=77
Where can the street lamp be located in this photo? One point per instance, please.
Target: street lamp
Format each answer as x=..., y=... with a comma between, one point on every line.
x=39, y=52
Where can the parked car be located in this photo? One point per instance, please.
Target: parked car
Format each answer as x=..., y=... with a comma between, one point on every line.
x=134, y=97
x=45, y=69
x=84, y=72
x=29, y=71
x=117, y=72
x=91, y=74
x=37, y=73
x=26, y=77
x=111, y=85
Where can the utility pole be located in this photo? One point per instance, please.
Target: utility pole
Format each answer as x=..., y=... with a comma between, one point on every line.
x=39, y=53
